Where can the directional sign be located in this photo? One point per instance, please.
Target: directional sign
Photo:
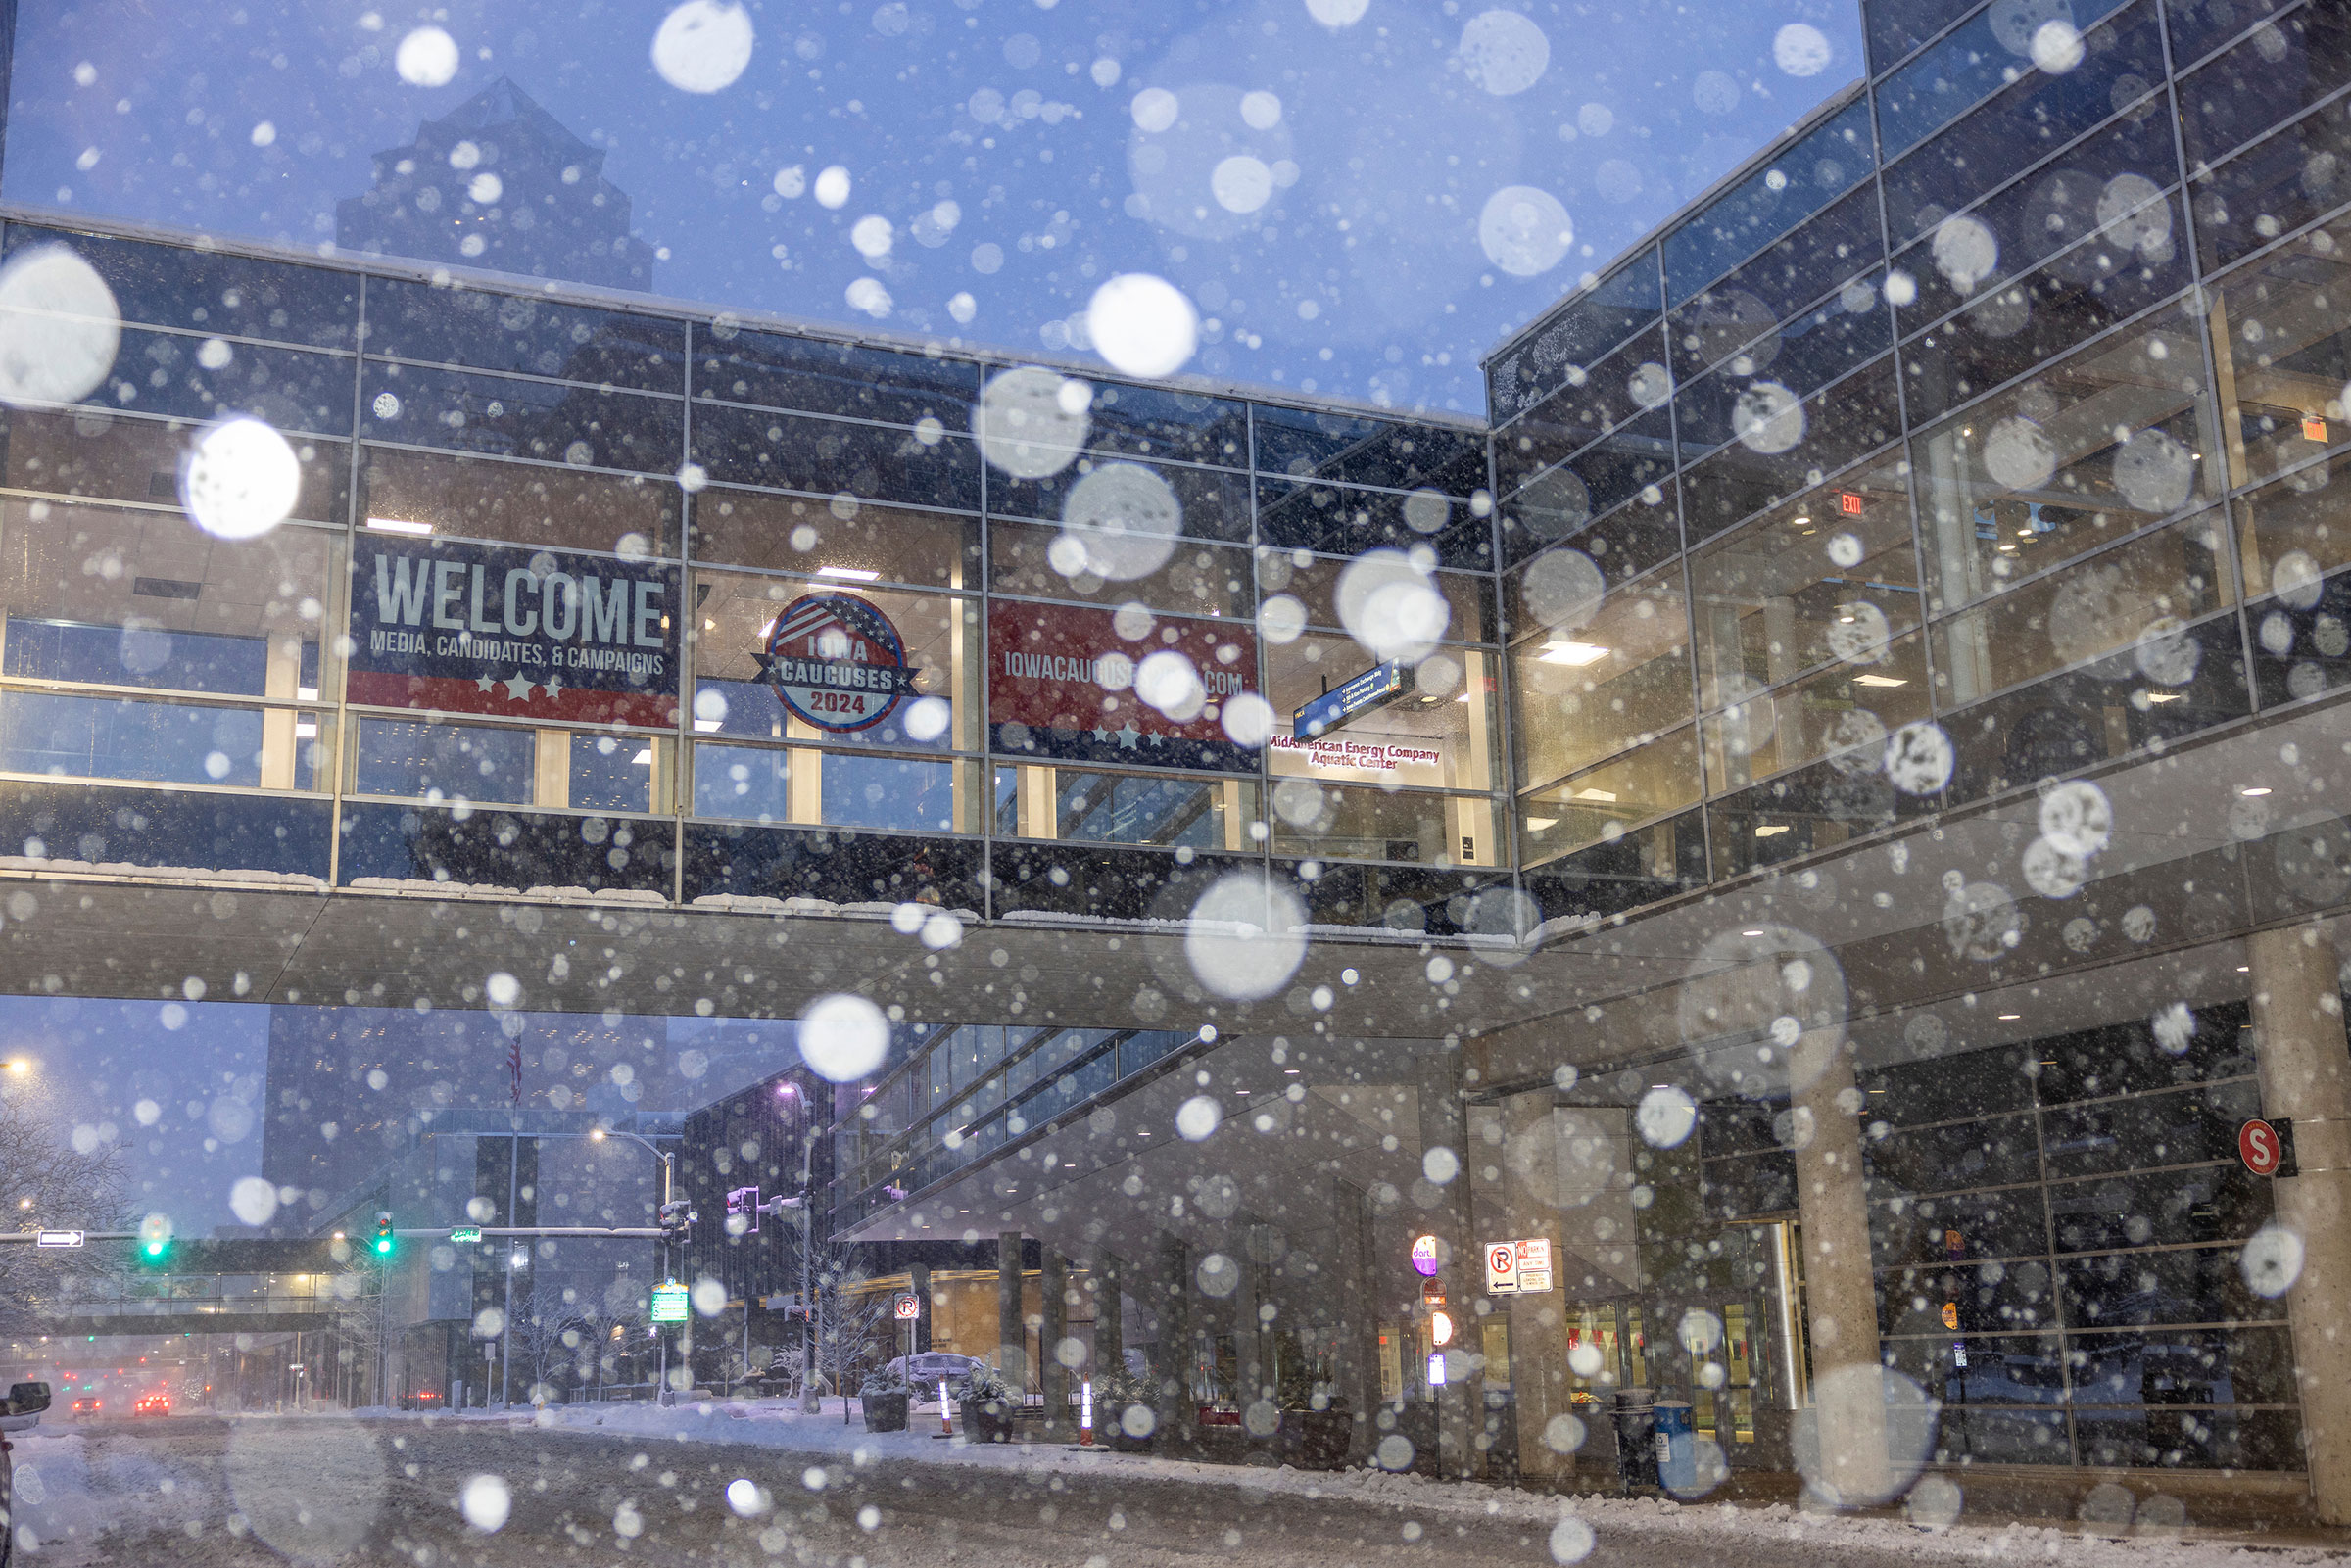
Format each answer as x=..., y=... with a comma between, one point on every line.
x=465, y=1233
x=908, y=1306
x=670, y=1303
x=58, y=1238
x=2267, y=1147
x=1376, y=688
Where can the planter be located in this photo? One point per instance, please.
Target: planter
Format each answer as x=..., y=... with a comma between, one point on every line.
x=884, y=1412
x=1120, y=1442
x=1316, y=1440
x=986, y=1421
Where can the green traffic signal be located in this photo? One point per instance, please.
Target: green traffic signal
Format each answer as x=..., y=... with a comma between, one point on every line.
x=155, y=1240
x=384, y=1238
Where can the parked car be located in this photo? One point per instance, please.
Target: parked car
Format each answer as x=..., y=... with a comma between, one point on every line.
x=923, y=1373
x=153, y=1405
x=21, y=1412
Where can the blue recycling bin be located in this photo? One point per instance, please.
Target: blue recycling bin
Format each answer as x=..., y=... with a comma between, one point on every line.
x=1676, y=1441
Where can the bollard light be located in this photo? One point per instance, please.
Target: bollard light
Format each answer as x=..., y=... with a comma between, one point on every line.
x=1086, y=1412
x=946, y=1428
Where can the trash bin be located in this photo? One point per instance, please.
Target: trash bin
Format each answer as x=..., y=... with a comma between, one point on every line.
x=1636, y=1447
x=1675, y=1445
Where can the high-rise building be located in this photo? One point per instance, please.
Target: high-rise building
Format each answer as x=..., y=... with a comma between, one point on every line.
x=498, y=182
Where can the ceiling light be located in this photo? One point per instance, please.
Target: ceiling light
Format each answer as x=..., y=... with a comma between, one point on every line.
x=1771, y=829
x=2165, y=696
x=706, y=726
x=1799, y=522
x=2010, y=1017
x=1292, y=1072
x=2254, y=791
x=849, y=574
x=644, y=758
x=1879, y=680
x=1605, y=796
x=1575, y=653
x=397, y=525
x=1541, y=824
x=1757, y=931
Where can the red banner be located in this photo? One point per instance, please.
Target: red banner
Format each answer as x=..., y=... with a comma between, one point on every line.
x=1061, y=668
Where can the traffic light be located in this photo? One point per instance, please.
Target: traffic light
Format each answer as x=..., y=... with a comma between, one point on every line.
x=743, y=1212
x=676, y=1220
x=385, y=1240
x=155, y=1241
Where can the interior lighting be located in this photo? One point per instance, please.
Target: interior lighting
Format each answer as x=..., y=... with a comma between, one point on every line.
x=1578, y=654
x=1879, y=680
x=849, y=574
x=397, y=525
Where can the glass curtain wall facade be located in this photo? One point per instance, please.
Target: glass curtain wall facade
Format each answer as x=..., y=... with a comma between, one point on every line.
x=502, y=468
x=1976, y=438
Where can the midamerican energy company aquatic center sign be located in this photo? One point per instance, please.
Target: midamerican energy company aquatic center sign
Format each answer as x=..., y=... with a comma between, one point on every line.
x=463, y=628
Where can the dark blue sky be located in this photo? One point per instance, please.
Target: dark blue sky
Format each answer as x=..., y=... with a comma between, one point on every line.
x=1358, y=270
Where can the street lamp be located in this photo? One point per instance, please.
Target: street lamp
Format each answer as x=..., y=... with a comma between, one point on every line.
x=669, y=1176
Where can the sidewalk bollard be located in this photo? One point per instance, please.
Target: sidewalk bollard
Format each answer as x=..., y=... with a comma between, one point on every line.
x=1086, y=1414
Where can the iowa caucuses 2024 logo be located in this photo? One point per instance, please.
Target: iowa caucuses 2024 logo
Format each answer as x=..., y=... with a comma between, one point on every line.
x=837, y=662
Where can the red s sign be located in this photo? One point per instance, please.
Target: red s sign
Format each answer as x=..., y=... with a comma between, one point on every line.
x=2258, y=1145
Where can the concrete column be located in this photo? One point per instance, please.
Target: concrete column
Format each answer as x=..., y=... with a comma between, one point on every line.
x=1178, y=1416
x=2306, y=1076
x=1460, y=1403
x=918, y=1282
x=1012, y=1334
x=1841, y=1302
x=1053, y=1376
x=1109, y=1281
x=1248, y=1356
x=1355, y=1315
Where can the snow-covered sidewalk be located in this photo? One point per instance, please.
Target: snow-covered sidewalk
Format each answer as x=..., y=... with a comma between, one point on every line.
x=816, y=1444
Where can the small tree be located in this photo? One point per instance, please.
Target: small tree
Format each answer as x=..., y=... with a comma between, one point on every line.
x=45, y=1181
x=851, y=1321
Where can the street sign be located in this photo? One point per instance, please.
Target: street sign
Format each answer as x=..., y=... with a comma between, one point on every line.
x=670, y=1303
x=1425, y=1260
x=1534, y=1265
x=465, y=1233
x=58, y=1238
x=1502, y=1268
x=909, y=1306
x=2267, y=1147
x=1519, y=1268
